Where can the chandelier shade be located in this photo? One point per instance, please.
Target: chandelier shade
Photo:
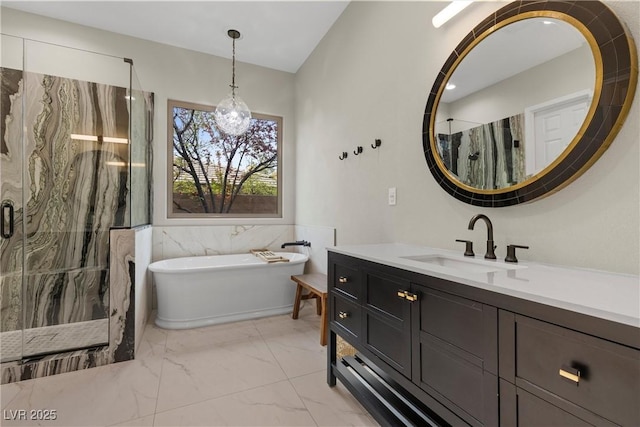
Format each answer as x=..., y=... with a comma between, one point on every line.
x=232, y=114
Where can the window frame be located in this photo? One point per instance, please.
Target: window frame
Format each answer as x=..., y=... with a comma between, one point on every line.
x=171, y=104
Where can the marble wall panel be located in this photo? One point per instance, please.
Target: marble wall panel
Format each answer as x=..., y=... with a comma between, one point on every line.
x=183, y=241
x=54, y=364
x=10, y=302
x=65, y=296
x=122, y=295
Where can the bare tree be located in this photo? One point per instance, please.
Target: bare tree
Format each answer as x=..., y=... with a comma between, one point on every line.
x=196, y=140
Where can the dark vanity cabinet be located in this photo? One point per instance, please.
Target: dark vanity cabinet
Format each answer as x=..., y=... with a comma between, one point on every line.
x=439, y=348
x=436, y=352
x=553, y=376
x=456, y=353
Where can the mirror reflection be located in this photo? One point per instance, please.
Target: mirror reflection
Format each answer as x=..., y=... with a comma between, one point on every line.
x=515, y=103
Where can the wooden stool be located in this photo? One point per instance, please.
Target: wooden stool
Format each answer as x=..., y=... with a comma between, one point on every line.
x=316, y=284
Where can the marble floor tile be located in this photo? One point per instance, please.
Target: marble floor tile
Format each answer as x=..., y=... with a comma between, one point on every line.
x=330, y=406
x=263, y=372
x=138, y=422
x=8, y=392
x=153, y=343
x=222, y=369
x=298, y=353
x=308, y=322
x=271, y=405
x=98, y=396
x=197, y=339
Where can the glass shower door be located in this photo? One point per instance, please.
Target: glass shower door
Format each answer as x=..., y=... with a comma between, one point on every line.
x=11, y=176
x=76, y=154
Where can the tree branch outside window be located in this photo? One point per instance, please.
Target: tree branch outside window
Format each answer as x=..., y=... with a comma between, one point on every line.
x=215, y=174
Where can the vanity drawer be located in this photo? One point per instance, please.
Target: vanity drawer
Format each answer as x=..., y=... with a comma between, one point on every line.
x=346, y=314
x=347, y=279
x=604, y=377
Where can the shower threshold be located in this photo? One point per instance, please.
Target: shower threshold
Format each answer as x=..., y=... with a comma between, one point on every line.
x=20, y=344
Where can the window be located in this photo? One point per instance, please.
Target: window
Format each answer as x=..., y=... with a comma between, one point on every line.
x=217, y=175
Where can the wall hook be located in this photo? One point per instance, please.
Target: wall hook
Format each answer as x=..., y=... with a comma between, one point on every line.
x=377, y=144
x=358, y=150
x=344, y=155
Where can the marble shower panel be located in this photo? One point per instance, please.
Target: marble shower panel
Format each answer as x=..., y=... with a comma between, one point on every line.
x=74, y=195
x=75, y=189
x=11, y=250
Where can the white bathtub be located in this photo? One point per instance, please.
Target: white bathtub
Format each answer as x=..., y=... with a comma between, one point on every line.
x=206, y=290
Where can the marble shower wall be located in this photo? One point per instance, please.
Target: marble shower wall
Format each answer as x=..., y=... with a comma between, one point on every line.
x=76, y=188
x=74, y=192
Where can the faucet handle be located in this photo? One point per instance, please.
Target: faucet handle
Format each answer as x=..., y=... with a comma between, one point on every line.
x=511, y=252
x=468, y=249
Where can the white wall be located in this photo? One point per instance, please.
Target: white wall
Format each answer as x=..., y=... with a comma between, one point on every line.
x=174, y=73
x=543, y=83
x=370, y=78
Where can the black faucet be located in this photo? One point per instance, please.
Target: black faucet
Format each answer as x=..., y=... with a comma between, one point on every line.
x=296, y=243
x=490, y=246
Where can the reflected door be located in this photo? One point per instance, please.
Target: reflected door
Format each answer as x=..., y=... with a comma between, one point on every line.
x=554, y=125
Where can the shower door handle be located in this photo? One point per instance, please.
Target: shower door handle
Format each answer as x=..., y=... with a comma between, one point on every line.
x=7, y=209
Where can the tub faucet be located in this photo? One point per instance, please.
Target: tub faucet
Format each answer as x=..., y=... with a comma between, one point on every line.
x=490, y=246
x=296, y=243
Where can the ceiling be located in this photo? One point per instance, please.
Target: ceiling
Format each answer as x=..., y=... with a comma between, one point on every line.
x=275, y=34
x=513, y=49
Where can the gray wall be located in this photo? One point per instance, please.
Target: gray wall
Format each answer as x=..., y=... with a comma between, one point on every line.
x=370, y=78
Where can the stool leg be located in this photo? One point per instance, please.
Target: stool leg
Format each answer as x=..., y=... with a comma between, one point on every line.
x=318, y=304
x=296, y=302
x=323, y=321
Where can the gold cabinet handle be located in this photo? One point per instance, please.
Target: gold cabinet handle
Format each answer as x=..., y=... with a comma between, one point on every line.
x=343, y=314
x=342, y=279
x=411, y=297
x=407, y=295
x=570, y=373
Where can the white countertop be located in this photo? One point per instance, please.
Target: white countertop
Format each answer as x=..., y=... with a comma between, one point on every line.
x=601, y=294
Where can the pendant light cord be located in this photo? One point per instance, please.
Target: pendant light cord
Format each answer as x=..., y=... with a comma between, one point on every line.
x=233, y=68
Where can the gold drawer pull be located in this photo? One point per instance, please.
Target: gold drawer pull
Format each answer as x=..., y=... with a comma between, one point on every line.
x=407, y=295
x=343, y=315
x=411, y=297
x=571, y=374
x=343, y=279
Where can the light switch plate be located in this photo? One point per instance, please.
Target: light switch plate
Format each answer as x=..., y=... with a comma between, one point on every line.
x=392, y=196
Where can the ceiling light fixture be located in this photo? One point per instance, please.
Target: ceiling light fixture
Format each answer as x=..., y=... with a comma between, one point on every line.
x=450, y=86
x=449, y=12
x=232, y=115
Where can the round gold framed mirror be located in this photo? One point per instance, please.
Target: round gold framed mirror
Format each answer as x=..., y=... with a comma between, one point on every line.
x=528, y=101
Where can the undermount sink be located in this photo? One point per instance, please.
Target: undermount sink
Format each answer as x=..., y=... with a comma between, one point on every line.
x=469, y=265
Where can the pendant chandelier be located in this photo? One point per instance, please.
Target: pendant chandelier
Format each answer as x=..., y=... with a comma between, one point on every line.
x=232, y=115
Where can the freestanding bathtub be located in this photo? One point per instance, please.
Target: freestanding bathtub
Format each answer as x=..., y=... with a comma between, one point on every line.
x=206, y=290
